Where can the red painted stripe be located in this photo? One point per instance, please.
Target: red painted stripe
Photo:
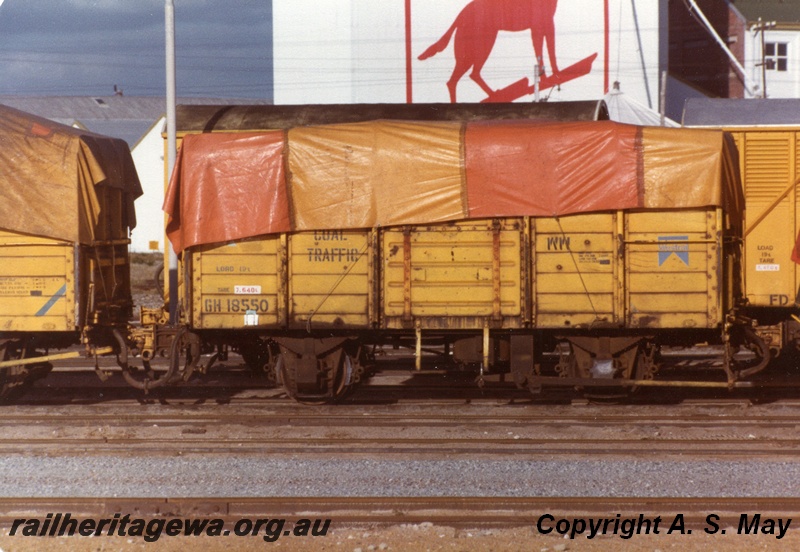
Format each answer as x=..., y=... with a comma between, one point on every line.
x=409, y=97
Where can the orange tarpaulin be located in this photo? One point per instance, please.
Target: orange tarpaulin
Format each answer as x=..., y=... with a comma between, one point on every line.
x=547, y=169
x=226, y=187
x=383, y=173
x=48, y=176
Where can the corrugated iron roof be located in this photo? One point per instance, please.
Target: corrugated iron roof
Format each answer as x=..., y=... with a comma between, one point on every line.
x=717, y=112
x=781, y=11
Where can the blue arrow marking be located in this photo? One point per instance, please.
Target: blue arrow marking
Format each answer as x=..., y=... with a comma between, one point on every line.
x=52, y=301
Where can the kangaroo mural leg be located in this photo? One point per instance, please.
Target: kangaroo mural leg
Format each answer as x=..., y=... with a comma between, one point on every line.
x=471, y=50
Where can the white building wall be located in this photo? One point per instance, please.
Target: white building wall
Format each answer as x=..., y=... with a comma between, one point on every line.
x=148, y=157
x=312, y=47
x=779, y=84
x=353, y=51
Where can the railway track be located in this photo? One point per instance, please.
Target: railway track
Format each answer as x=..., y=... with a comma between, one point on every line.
x=527, y=448
x=399, y=431
x=731, y=430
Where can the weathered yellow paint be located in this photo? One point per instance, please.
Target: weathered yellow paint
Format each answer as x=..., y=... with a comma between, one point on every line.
x=671, y=273
x=37, y=284
x=640, y=269
x=628, y=269
x=466, y=272
x=769, y=161
x=236, y=285
x=574, y=270
x=329, y=278
x=284, y=280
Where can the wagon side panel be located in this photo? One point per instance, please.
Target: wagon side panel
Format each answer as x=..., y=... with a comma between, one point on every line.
x=674, y=277
x=575, y=271
x=769, y=160
x=236, y=285
x=329, y=279
x=37, y=284
x=463, y=275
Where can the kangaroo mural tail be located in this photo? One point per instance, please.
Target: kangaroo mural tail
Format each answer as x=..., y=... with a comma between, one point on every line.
x=440, y=44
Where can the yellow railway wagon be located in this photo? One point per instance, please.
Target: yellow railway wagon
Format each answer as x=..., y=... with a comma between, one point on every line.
x=627, y=276
x=767, y=136
x=635, y=270
x=64, y=220
x=303, y=248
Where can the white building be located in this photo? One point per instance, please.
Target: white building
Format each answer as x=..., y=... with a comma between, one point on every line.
x=772, y=45
x=362, y=51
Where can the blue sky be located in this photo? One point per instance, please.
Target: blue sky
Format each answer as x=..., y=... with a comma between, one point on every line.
x=85, y=47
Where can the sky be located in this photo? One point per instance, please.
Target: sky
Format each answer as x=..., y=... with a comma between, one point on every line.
x=85, y=47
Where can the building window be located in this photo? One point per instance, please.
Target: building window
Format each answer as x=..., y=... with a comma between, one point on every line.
x=775, y=55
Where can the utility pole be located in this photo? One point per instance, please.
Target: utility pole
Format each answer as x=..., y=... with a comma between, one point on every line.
x=172, y=141
x=760, y=27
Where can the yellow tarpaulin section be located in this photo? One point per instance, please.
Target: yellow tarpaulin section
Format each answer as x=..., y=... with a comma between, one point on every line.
x=385, y=173
x=681, y=169
x=49, y=174
x=380, y=173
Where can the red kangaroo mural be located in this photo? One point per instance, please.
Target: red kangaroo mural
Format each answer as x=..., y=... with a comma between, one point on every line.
x=476, y=28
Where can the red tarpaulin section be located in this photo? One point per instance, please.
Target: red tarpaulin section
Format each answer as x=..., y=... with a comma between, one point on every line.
x=226, y=187
x=546, y=169
x=796, y=251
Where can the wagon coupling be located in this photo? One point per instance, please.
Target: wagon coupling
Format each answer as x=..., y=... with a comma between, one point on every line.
x=749, y=341
x=184, y=354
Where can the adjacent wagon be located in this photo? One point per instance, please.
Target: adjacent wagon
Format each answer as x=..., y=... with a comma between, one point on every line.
x=65, y=211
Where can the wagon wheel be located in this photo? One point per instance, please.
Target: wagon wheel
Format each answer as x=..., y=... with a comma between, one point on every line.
x=600, y=394
x=261, y=357
x=341, y=376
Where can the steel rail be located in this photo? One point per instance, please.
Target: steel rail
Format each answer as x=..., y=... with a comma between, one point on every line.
x=372, y=420
x=504, y=447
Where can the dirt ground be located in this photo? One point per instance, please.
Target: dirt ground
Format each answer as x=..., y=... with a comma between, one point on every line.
x=413, y=538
